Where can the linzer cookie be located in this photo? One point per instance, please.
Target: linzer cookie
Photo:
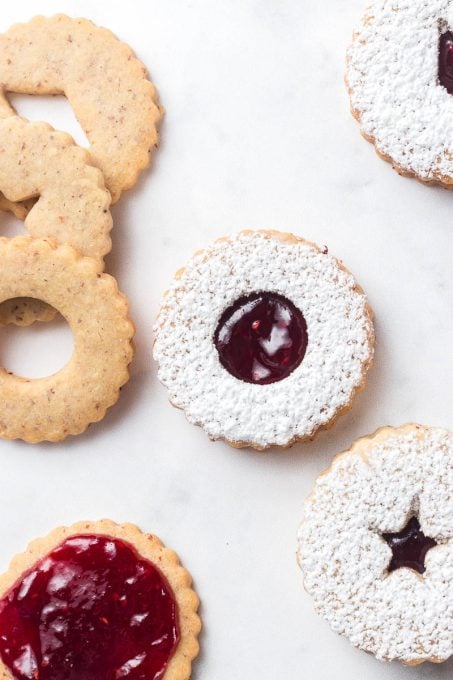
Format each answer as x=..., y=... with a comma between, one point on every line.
x=400, y=80
x=107, y=86
x=49, y=409
x=72, y=203
x=98, y=601
x=376, y=544
x=263, y=339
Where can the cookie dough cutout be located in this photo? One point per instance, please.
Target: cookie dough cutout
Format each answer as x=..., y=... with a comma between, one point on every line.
x=107, y=86
x=304, y=368
x=376, y=544
x=51, y=408
x=175, y=609
x=72, y=206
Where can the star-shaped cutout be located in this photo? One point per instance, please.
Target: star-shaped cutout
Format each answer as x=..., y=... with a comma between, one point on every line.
x=409, y=547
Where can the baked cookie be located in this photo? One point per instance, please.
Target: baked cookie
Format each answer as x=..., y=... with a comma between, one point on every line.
x=22, y=311
x=263, y=339
x=376, y=544
x=98, y=601
x=107, y=86
x=19, y=210
x=400, y=80
x=72, y=206
x=49, y=409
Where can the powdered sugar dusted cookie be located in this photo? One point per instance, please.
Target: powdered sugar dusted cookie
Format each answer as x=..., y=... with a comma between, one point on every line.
x=107, y=86
x=67, y=402
x=400, y=79
x=263, y=339
x=376, y=544
x=72, y=206
x=99, y=601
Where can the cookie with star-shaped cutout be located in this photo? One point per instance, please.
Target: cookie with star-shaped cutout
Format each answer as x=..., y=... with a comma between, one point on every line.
x=376, y=544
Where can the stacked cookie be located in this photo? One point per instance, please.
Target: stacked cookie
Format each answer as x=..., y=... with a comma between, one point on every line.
x=63, y=193
x=263, y=339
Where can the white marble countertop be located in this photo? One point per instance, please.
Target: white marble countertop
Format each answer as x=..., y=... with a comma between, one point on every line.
x=257, y=134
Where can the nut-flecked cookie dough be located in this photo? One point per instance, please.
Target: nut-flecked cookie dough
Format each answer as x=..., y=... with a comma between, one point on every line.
x=51, y=408
x=107, y=86
x=376, y=544
x=19, y=210
x=22, y=311
x=72, y=206
x=263, y=339
x=101, y=601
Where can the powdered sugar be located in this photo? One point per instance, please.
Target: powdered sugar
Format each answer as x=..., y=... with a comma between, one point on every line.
x=372, y=490
x=340, y=340
x=393, y=79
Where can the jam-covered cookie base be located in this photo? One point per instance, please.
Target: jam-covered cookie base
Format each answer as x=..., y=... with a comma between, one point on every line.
x=92, y=609
x=261, y=338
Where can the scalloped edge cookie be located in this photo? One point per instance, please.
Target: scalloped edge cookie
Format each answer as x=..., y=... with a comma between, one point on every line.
x=359, y=452
x=72, y=206
x=149, y=547
x=169, y=300
x=22, y=311
x=108, y=87
x=51, y=408
x=444, y=181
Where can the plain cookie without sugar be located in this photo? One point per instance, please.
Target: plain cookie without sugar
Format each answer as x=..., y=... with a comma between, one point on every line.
x=72, y=206
x=107, y=86
x=51, y=408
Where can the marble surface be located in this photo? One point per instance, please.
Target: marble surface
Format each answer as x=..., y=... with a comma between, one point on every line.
x=257, y=134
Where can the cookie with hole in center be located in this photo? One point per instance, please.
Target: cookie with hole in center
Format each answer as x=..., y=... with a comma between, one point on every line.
x=107, y=86
x=51, y=408
x=99, y=601
x=376, y=544
x=263, y=339
x=400, y=81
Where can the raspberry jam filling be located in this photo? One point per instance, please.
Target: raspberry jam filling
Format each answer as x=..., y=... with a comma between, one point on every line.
x=261, y=338
x=92, y=609
x=446, y=61
x=409, y=547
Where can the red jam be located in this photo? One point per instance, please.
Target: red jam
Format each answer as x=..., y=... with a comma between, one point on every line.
x=409, y=547
x=93, y=609
x=446, y=61
x=261, y=338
